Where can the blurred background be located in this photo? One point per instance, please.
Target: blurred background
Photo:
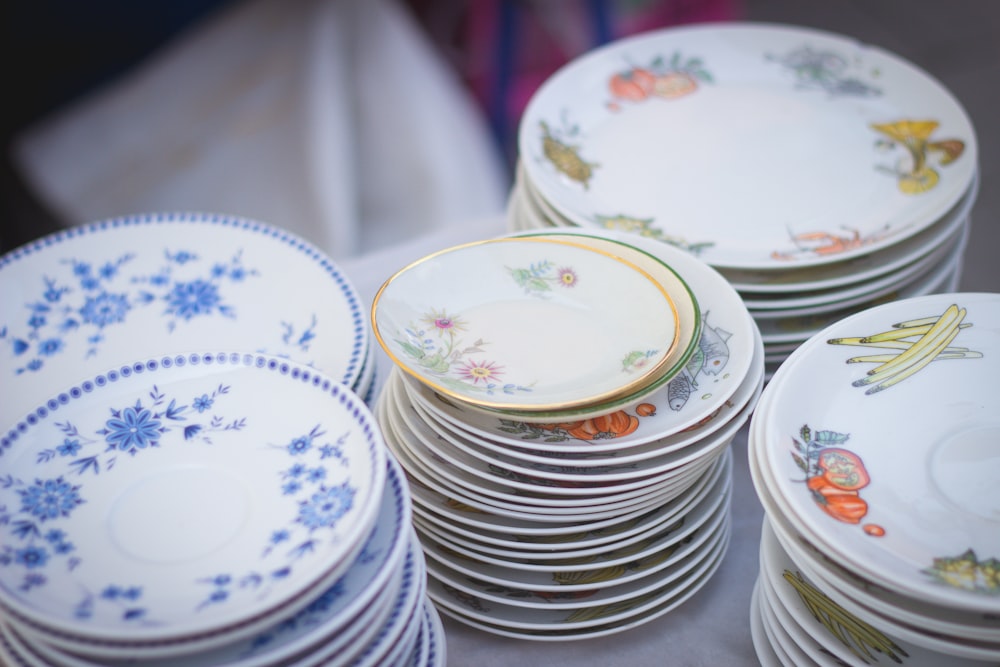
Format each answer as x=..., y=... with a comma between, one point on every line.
x=82, y=74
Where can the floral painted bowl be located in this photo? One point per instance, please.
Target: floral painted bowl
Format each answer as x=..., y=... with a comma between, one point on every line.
x=531, y=325
x=82, y=300
x=185, y=500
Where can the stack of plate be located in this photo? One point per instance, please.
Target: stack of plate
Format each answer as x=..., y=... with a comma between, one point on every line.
x=562, y=404
x=189, y=476
x=819, y=175
x=874, y=452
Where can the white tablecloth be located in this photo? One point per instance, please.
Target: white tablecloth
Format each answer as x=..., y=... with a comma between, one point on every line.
x=710, y=629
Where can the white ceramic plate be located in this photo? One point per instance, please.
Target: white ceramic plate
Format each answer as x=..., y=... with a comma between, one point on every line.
x=810, y=303
x=527, y=324
x=559, y=588
x=554, y=625
x=80, y=301
x=862, y=267
x=757, y=145
x=793, y=590
x=616, y=553
x=938, y=279
x=579, y=537
x=679, y=447
x=282, y=468
x=341, y=611
x=916, y=437
x=713, y=373
x=761, y=641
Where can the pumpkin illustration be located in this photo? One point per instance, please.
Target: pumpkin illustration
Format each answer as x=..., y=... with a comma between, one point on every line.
x=612, y=425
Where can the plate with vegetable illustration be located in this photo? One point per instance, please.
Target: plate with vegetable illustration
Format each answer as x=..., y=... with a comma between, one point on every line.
x=880, y=434
x=717, y=368
x=754, y=146
x=532, y=325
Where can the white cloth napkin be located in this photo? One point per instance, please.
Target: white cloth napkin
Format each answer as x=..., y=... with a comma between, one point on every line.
x=335, y=119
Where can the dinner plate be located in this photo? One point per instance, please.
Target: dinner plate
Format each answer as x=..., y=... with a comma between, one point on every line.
x=799, y=594
x=341, y=612
x=615, y=553
x=436, y=646
x=763, y=648
x=283, y=471
x=809, y=303
x=533, y=325
x=912, y=432
x=804, y=132
x=862, y=267
x=560, y=588
x=397, y=635
x=573, y=538
x=938, y=280
x=713, y=373
x=555, y=625
x=82, y=300
x=678, y=447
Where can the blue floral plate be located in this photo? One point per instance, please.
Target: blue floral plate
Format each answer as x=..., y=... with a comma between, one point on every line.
x=185, y=499
x=82, y=300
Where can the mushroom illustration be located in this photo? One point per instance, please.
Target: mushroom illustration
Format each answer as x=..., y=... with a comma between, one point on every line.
x=914, y=136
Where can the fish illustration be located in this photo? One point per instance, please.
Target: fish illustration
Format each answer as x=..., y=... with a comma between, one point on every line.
x=678, y=392
x=714, y=352
x=710, y=358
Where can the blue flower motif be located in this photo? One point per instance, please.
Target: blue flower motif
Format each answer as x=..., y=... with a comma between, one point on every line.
x=104, y=309
x=204, y=402
x=108, y=271
x=132, y=593
x=111, y=592
x=197, y=297
x=36, y=321
x=296, y=470
x=238, y=273
x=20, y=346
x=326, y=506
x=316, y=475
x=54, y=536
x=183, y=257
x=50, y=498
x=81, y=269
x=63, y=548
x=159, y=279
x=291, y=488
x=279, y=536
x=300, y=445
x=31, y=557
x=68, y=447
x=136, y=429
x=90, y=283
x=49, y=347
x=34, y=364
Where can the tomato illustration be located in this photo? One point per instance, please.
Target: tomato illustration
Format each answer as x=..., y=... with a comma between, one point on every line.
x=842, y=504
x=843, y=468
x=634, y=84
